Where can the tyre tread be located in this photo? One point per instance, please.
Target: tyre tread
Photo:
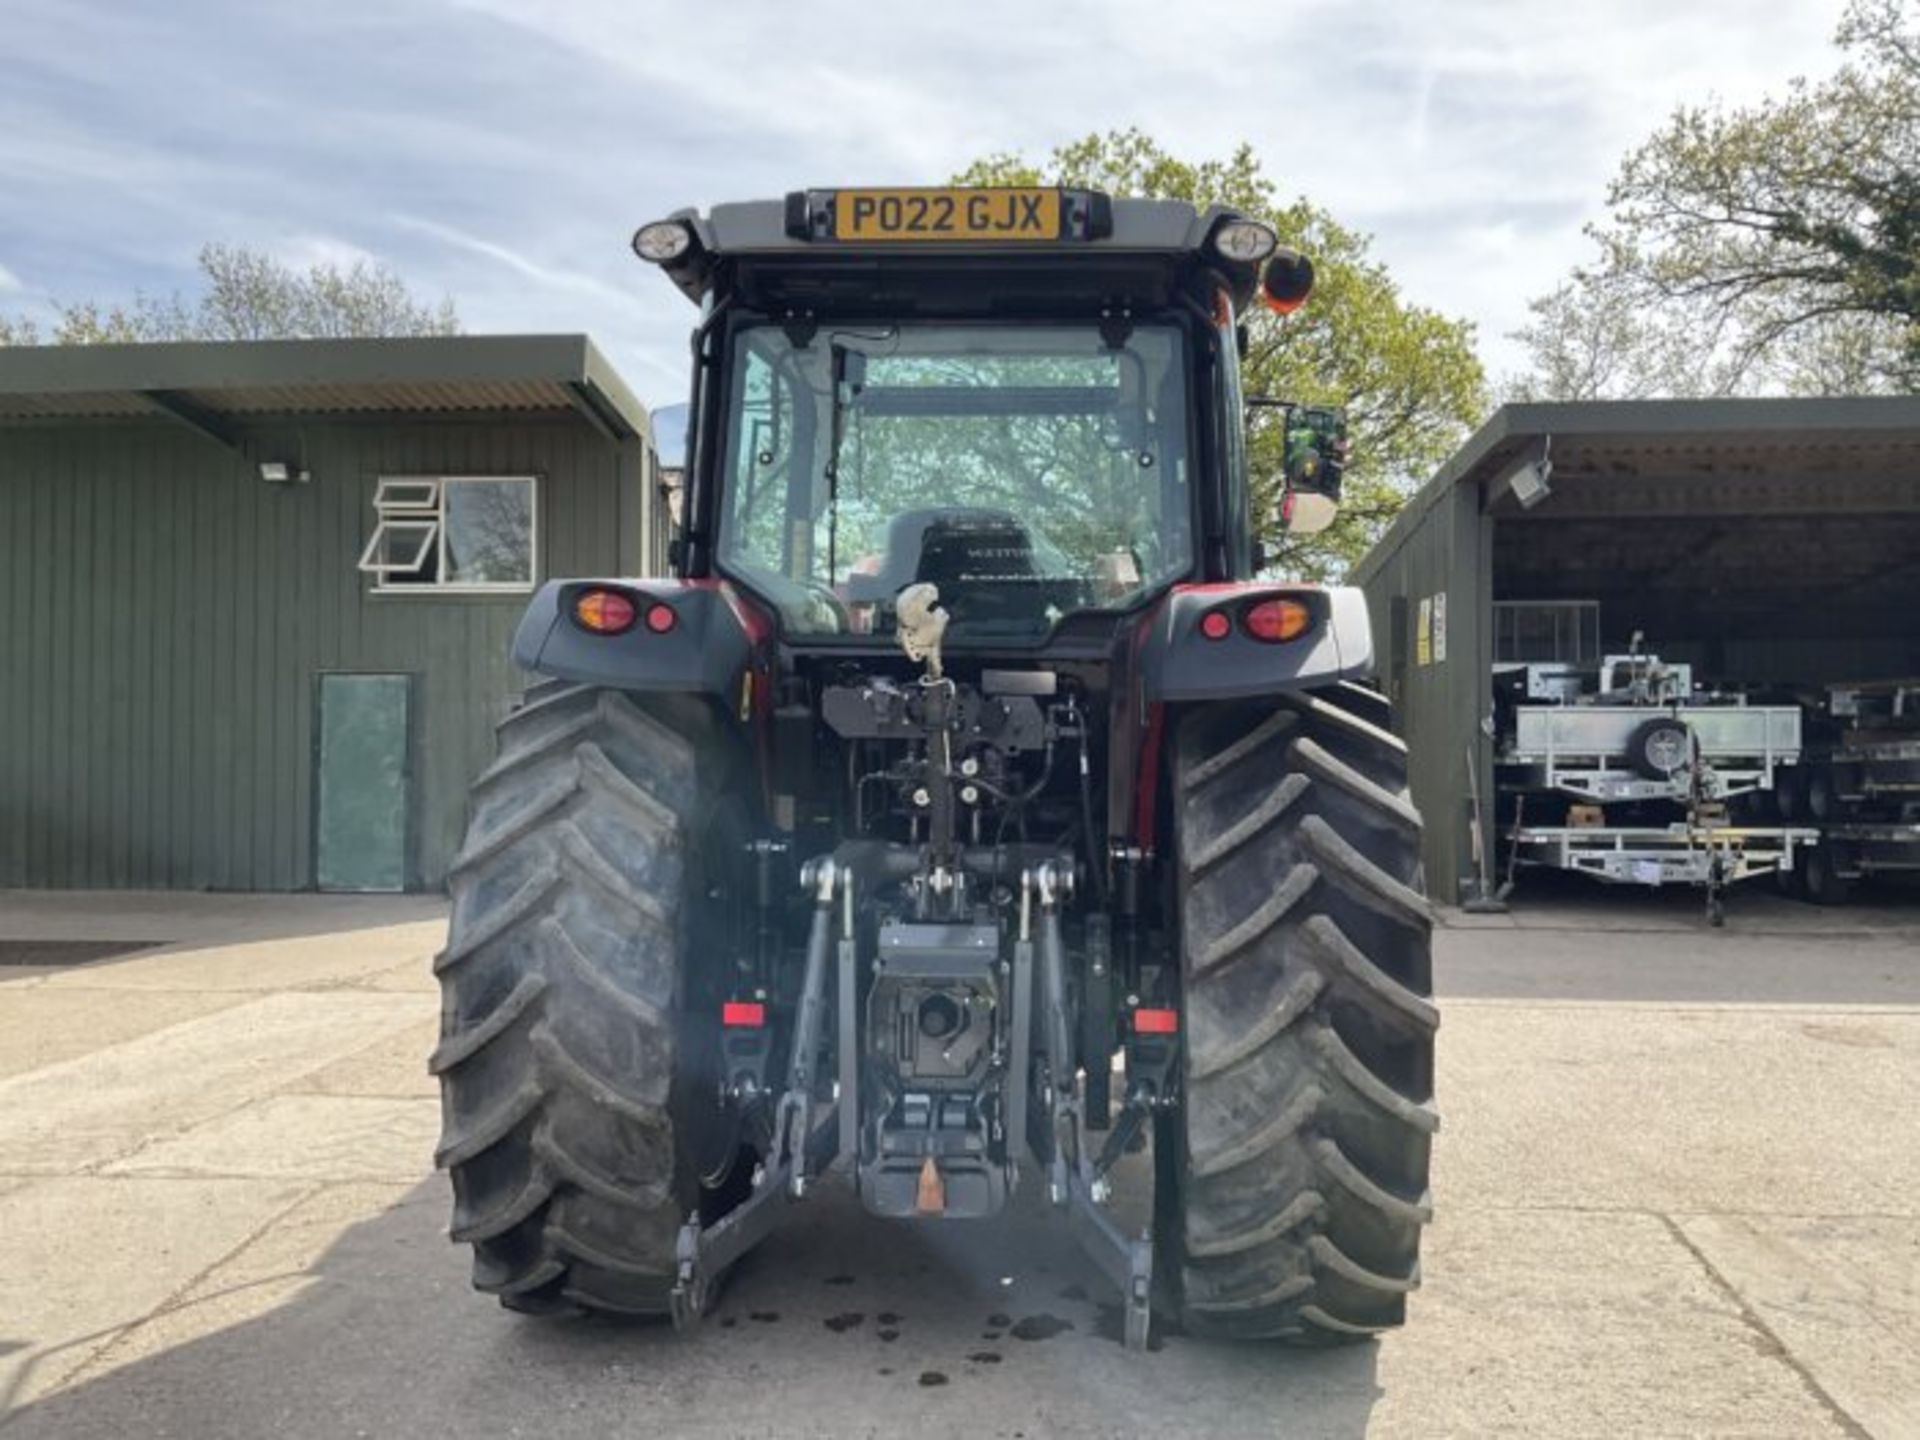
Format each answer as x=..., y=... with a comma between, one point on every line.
x=534, y=1012
x=1302, y=1186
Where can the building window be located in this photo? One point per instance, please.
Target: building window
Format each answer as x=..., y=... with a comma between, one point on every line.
x=455, y=532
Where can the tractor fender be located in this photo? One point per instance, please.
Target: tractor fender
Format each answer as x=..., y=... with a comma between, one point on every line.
x=1178, y=662
x=707, y=650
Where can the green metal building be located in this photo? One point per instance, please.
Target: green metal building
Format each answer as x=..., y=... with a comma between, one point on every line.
x=1772, y=543
x=256, y=598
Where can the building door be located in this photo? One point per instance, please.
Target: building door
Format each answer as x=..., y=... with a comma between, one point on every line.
x=362, y=790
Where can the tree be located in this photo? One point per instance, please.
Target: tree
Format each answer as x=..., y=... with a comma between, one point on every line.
x=1775, y=247
x=1591, y=340
x=251, y=296
x=1407, y=376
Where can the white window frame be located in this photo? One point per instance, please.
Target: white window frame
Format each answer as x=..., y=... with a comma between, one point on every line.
x=372, y=564
x=389, y=497
x=406, y=501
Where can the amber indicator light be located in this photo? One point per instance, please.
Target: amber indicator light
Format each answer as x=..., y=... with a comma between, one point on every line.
x=1274, y=621
x=604, y=612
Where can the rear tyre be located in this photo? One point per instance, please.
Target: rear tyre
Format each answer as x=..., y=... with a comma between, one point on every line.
x=1308, y=1116
x=581, y=1122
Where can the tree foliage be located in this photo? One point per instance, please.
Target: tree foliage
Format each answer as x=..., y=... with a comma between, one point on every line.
x=1407, y=376
x=249, y=295
x=1769, y=248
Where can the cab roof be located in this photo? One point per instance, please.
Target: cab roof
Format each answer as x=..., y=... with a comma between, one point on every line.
x=781, y=252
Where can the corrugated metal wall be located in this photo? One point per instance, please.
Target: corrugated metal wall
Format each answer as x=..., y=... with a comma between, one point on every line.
x=1439, y=704
x=164, y=615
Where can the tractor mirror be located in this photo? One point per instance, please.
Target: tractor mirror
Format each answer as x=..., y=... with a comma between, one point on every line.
x=1314, y=461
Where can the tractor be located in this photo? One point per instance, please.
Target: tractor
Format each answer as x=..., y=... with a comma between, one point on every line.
x=965, y=810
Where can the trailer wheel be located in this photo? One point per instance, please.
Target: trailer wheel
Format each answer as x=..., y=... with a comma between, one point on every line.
x=1298, y=1177
x=582, y=1116
x=1660, y=748
x=1820, y=878
x=1790, y=791
x=1823, y=794
x=1790, y=880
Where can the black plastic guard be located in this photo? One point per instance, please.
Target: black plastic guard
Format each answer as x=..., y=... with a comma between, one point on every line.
x=707, y=651
x=1180, y=663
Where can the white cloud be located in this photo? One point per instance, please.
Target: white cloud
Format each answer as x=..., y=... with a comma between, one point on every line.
x=547, y=296
x=550, y=276
x=502, y=153
x=1472, y=140
x=307, y=252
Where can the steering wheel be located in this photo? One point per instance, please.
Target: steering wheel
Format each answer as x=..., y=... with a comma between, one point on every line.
x=823, y=594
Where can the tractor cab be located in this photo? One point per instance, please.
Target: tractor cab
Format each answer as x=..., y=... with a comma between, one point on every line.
x=1027, y=398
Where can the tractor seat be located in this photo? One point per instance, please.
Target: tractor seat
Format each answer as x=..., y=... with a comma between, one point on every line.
x=959, y=549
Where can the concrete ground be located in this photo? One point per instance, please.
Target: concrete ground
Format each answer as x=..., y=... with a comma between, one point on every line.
x=1678, y=1193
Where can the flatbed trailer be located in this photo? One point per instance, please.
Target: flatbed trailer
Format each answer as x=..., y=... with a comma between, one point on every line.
x=1866, y=770
x=1709, y=856
x=1863, y=849
x=1861, y=787
x=1583, y=750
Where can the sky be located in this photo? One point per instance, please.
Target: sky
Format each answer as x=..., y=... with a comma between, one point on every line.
x=503, y=154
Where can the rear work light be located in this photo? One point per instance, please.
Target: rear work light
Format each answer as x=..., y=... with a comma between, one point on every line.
x=604, y=612
x=663, y=241
x=1274, y=621
x=1247, y=241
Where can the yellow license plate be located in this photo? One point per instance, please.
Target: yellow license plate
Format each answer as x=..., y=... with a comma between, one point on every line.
x=946, y=215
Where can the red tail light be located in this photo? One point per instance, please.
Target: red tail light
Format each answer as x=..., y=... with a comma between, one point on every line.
x=660, y=618
x=743, y=1014
x=604, y=612
x=1276, y=620
x=1156, y=1022
x=1215, y=625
